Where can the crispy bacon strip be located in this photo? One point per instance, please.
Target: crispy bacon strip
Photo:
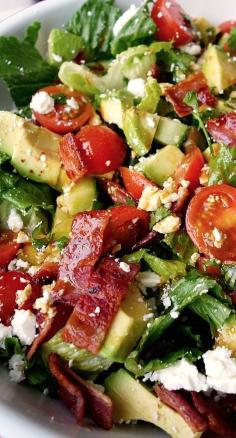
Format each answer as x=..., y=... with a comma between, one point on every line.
x=82, y=397
x=180, y=404
x=47, y=273
x=71, y=157
x=115, y=192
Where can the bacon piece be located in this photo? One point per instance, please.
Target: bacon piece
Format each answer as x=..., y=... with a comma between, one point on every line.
x=176, y=401
x=85, y=245
x=50, y=326
x=195, y=82
x=95, y=310
x=218, y=419
x=47, y=273
x=223, y=128
x=69, y=391
x=151, y=238
x=82, y=397
x=115, y=192
x=71, y=157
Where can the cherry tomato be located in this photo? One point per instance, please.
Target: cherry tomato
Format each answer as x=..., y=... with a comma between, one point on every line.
x=8, y=251
x=226, y=26
x=64, y=118
x=203, y=266
x=127, y=226
x=10, y=282
x=211, y=221
x=172, y=22
x=190, y=168
x=223, y=128
x=101, y=149
x=134, y=182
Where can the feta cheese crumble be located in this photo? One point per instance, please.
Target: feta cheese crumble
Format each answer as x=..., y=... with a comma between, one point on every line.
x=23, y=294
x=221, y=370
x=24, y=326
x=123, y=19
x=191, y=49
x=136, y=87
x=168, y=225
x=15, y=222
x=150, y=199
x=5, y=332
x=42, y=103
x=125, y=267
x=72, y=103
x=44, y=303
x=17, y=366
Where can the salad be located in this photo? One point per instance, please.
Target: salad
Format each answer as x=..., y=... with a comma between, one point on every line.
x=118, y=216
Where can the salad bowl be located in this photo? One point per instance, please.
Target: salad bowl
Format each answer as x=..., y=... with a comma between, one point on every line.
x=24, y=412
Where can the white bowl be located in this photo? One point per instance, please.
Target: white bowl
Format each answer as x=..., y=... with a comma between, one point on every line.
x=24, y=412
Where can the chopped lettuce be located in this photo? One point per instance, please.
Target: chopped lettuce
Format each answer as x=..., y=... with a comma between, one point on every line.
x=167, y=269
x=94, y=22
x=229, y=274
x=139, y=29
x=212, y=311
x=223, y=166
x=181, y=245
x=232, y=39
x=22, y=67
x=175, y=63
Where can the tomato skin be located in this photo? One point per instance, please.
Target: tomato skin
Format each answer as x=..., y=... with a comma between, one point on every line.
x=127, y=225
x=101, y=149
x=115, y=192
x=60, y=120
x=213, y=271
x=8, y=251
x=190, y=168
x=223, y=129
x=71, y=157
x=10, y=282
x=226, y=26
x=194, y=82
x=134, y=182
x=213, y=207
x=171, y=24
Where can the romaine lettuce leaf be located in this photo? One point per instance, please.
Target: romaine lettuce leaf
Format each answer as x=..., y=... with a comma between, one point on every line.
x=223, y=166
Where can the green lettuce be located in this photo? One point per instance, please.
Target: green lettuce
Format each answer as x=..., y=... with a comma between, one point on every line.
x=223, y=166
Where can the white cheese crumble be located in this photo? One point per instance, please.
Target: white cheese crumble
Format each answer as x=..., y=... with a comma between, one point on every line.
x=194, y=258
x=165, y=299
x=22, y=237
x=181, y=375
x=123, y=19
x=125, y=267
x=148, y=316
x=44, y=303
x=23, y=294
x=42, y=103
x=191, y=49
x=57, y=57
x=17, y=264
x=5, y=332
x=72, y=103
x=170, y=224
x=221, y=370
x=17, y=367
x=150, y=199
x=15, y=222
x=24, y=326
x=136, y=87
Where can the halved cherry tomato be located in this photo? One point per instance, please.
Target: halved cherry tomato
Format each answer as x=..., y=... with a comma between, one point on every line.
x=172, y=22
x=195, y=82
x=226, y=26
x=10, y=282
x=211, y=221
x=8, y=251
x=64, y=118
x=126, y=226
x=190, y=168
x=134, y=182
x=223, y=129
x=71, y=157
x=102, y=150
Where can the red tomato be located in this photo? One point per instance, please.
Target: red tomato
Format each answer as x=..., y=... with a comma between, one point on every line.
x=101, y=149
x=127, y=226
x=10, y=282
x=211, y=221
x=223, y=129
x=115, y=192
x=71, y=157
x=226, y=26
x=190, y=168
x=134, y=182
x=64, y=118
x=195, y=82
x=172, y=23
x=213, y=271
x=8, y=251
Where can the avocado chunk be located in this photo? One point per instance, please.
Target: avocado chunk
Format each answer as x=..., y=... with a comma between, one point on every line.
x=113, y=105
x=171, y=131
x=61, y=224
x=78, y=197
x=226, y=336
x=80, y=78
x=33, y=149
x=218, y=68
x=160, y=166
x=63, y=46
x=133, y=401
x=206, y=29
x=152, y=96
x=126, y=328
x=139, y=129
